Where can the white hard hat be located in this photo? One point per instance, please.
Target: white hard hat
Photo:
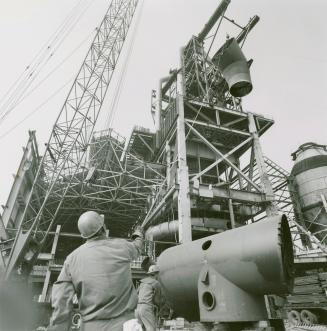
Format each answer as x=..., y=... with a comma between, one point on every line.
x=153, y=269
x=89, y=223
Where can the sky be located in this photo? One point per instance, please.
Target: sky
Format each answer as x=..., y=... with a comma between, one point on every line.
x=289, y=73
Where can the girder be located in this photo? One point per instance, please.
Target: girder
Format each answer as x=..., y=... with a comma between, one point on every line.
x=69, y=141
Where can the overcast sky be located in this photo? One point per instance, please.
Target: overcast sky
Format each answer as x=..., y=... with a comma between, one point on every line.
x=289, y=72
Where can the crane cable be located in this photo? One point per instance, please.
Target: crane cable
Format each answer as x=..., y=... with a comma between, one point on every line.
x=21, y=86
x=40, y=56
x=55, y=69
x=36, y=109
x=39, y=107
x=122, y=78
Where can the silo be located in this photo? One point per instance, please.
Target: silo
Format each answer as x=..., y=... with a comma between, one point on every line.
x=309, y=186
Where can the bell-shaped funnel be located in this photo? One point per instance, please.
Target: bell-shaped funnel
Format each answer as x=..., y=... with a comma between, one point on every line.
x=234, y=68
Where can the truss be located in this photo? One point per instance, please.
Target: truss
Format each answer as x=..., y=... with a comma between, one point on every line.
x=61, y=169
x=305, y=240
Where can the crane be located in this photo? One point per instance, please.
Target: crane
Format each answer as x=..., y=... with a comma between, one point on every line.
x=66, y=151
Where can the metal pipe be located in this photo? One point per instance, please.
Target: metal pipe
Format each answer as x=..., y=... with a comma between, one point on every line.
x=159, y=108
x=169, y=81
x=169, y=230
x=252, y=23
x=166, y=230
x=213, y=19
x=231, y=213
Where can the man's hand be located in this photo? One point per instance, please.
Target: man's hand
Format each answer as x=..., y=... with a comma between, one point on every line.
x=138, y=233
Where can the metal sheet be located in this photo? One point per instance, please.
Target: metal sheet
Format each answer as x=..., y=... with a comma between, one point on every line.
x=257, y=258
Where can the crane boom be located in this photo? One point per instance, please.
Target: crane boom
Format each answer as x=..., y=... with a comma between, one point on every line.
x=64, y=161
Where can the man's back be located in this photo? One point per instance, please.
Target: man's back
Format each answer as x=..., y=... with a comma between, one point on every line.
x=148, y=291
x=101, y=275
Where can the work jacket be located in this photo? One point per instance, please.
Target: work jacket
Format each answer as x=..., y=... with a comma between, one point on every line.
x=149, y=291
x=99, y=273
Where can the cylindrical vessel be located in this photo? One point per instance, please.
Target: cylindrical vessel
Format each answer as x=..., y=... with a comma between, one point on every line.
x=234, y=68
x=257, y=258
x=310, y=184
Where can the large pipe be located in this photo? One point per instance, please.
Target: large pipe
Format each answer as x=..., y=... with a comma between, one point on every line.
x=240, y=264
x=166, y=230
x=252, y=23
x=159, y=108
x=169, y=230
x=213, y=19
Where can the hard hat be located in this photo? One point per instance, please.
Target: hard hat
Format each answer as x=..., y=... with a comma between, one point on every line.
x=89, y=223
x=153, y=269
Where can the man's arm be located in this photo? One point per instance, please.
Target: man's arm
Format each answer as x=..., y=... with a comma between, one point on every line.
x=135, y=247
x=157, y=298
x=62, y=301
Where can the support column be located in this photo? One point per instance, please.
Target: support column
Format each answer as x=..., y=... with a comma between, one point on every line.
x=271, y=208
x=48, y=273
x=168, y=162
x=3, y=232
x=231, y=213
x=184, y=204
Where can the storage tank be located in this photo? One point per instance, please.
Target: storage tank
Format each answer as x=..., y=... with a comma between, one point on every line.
x=310, y=186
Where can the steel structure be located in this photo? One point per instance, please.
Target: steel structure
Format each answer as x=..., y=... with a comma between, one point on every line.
x=305, y=240
x=61, y=167
x=116, y=184
x=216, y=169
x=202, y=132
x=202, y=172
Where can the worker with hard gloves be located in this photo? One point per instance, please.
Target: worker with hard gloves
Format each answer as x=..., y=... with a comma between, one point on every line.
x=99, y=273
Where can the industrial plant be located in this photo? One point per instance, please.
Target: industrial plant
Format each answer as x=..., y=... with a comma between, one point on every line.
x=239, y=243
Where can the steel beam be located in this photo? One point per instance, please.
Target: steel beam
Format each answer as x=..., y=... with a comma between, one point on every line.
x=265, y=182
x=221, y=159
x=214, y=149
x=184, y=204
x=213, y=19
x=205, y=191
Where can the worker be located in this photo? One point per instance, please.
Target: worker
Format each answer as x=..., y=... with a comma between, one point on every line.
x=149, y=293
x=99, y=273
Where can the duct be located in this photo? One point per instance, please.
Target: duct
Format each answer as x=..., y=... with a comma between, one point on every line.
x=234, y=68
x=213, y=19
x=166, y=230
x=169, y=230
x=227, y=275
x=252, y=23
x=160, y=94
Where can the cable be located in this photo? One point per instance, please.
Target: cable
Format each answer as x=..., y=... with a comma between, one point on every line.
x=36, y=109
x=117, y=94
x=44, y=48
x=55, y=69
x=32, y=71
x=215, y=34
x=119, y=88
